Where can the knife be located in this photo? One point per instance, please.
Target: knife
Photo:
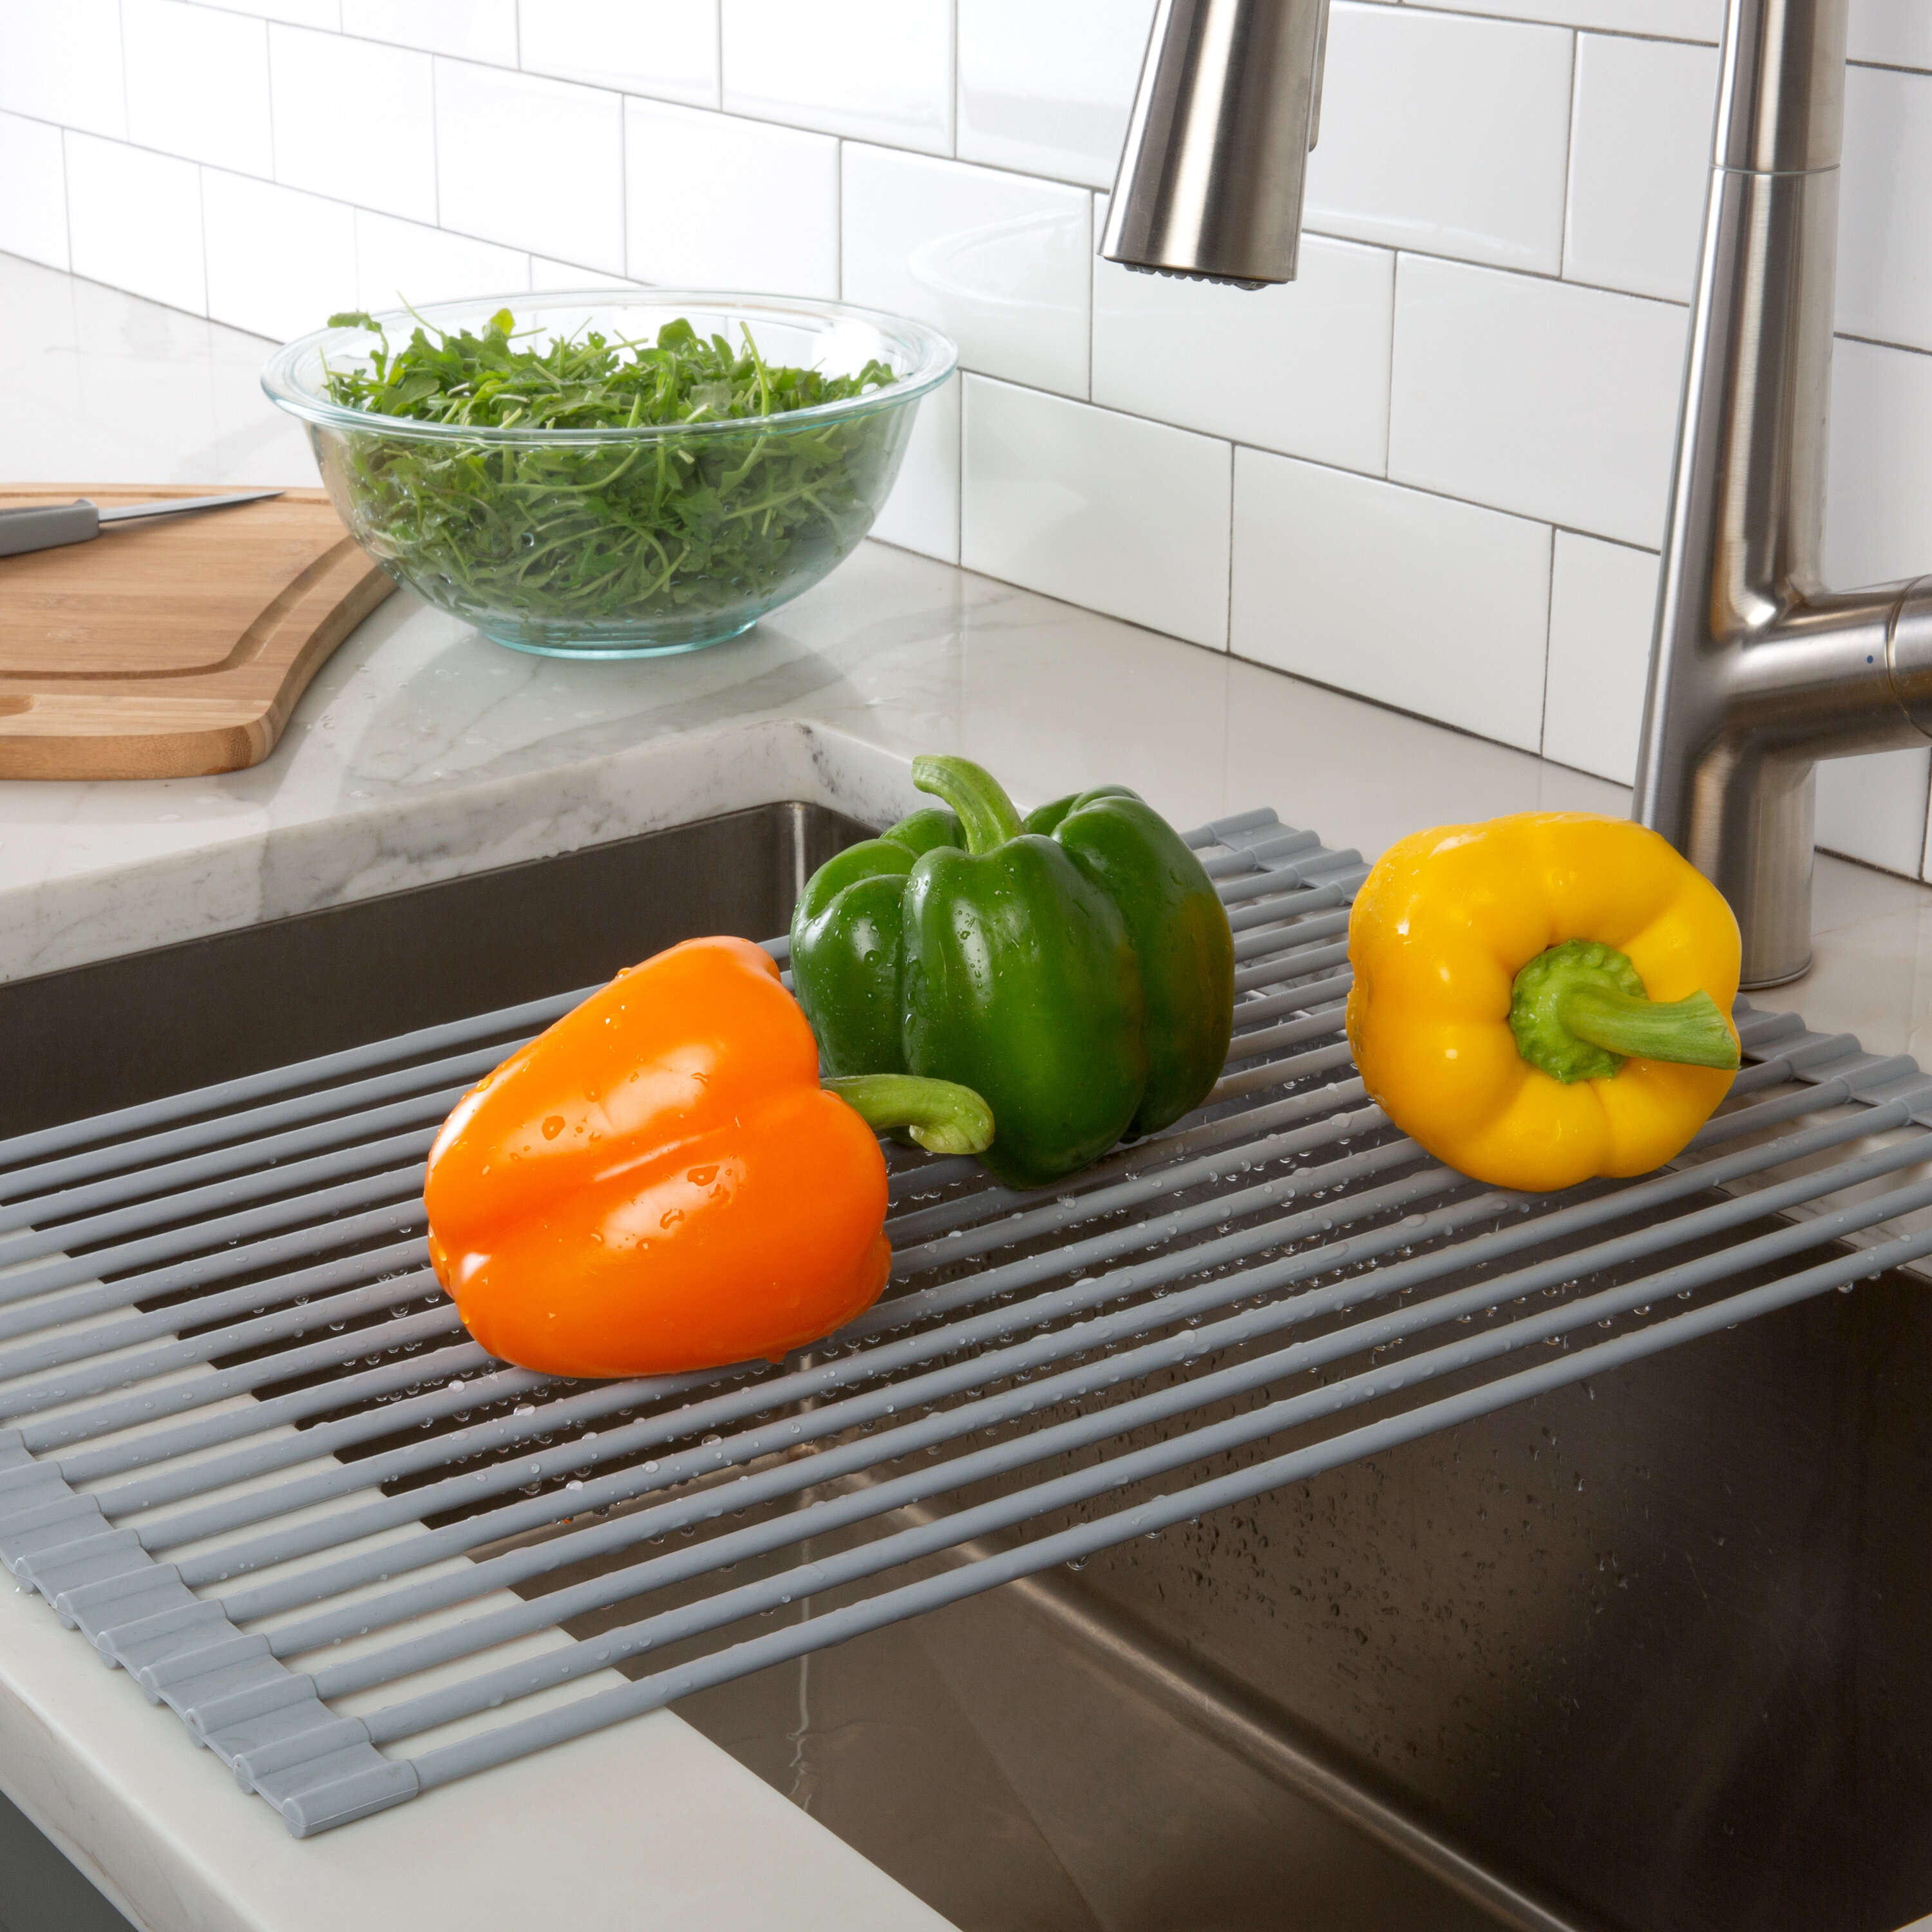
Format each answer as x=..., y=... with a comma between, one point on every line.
x=47, y=525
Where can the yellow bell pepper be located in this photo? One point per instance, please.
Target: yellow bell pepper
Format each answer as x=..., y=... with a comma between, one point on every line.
x=1544, y=998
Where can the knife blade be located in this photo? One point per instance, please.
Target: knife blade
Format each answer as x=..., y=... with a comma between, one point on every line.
x=48, y=526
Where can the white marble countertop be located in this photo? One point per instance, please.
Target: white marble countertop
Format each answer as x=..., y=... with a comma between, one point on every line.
x=422, y=752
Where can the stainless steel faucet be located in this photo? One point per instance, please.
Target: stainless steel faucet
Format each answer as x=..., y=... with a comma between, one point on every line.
x=1757, y=669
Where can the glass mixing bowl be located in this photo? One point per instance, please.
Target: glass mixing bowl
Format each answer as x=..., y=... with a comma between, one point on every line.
x=619, y=543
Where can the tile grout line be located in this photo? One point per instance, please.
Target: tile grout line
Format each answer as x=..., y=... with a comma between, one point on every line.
x=435, y=144
x=201, y=210
x=1879, y=342
x=1092, y=278
x=67, y=201
x=1440, y=13
x=1566, y=178
x=121, y=40
x=623, y=189
x=953, y=79
x=1568, y=173
x=1549, y=645
x=1527, y=20
x=268, y=75
x=959, y=495
x=1395, y=316
x=1227, y=623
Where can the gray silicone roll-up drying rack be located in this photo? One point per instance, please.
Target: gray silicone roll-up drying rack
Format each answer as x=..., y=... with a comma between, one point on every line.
x=247, y=1452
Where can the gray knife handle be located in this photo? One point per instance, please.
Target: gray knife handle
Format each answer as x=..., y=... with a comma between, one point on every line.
x=46, y=526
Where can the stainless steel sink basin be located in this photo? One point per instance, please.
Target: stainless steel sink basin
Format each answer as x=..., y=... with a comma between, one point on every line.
x=1642, y=1654
x=1645, y=1654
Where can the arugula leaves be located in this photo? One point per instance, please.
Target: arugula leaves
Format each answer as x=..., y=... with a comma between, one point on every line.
x=547, y=539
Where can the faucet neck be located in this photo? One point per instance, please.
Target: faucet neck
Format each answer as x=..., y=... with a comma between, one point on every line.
x=1755, y=671
x=1781, y=89
x=1745, y=529
x=1747, y=522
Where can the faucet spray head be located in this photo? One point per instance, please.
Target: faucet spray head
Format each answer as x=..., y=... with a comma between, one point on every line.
x=1216, y=156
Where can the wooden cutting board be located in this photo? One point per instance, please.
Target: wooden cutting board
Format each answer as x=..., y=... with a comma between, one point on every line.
x=173, y=649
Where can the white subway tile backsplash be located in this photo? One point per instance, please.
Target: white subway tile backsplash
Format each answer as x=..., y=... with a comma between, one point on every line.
x=279, y=262
x=1876, y=525
x=1047, y=90
x=1444, y=134
x=565, y=276
x=1303, y=368
x=1873, y=807
x=1898, y=32
x=1669, y=19
x=480, y=30
x=1640, y=164
x=1602, y=606
x=134, y=220
x=198, y=84
x=324, y=13
x=923, y=512
x=1534, y=396
x=530, y=162
x=405, y=263
x=62, y=63
x=1884, y=244
x=1000, y=262
x=1126, y=516
x=878, y=70
x=354, y=121
x=666, y=49
x=33, y=210
x=780, y=186
x=1436, y=607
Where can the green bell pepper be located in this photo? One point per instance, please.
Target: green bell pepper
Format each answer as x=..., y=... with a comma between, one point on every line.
x=1075, y=969
x=848, y=927
x=1178, y=929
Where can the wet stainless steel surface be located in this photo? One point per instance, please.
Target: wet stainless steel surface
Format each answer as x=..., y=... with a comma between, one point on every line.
x=1642, y=1655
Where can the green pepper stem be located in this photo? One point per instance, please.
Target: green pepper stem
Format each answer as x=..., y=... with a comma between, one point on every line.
x=942, y=1116
x=986, y=814
x=1579, y=1010
x=1690, y=1032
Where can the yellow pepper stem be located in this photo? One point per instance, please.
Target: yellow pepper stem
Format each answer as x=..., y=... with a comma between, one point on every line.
x=941, y=1115
x=1579, y=1010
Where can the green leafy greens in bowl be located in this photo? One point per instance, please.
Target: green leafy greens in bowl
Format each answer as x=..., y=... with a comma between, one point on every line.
x=612, y=476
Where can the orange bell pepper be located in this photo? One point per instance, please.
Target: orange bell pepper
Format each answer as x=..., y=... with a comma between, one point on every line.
x=659, y=1182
